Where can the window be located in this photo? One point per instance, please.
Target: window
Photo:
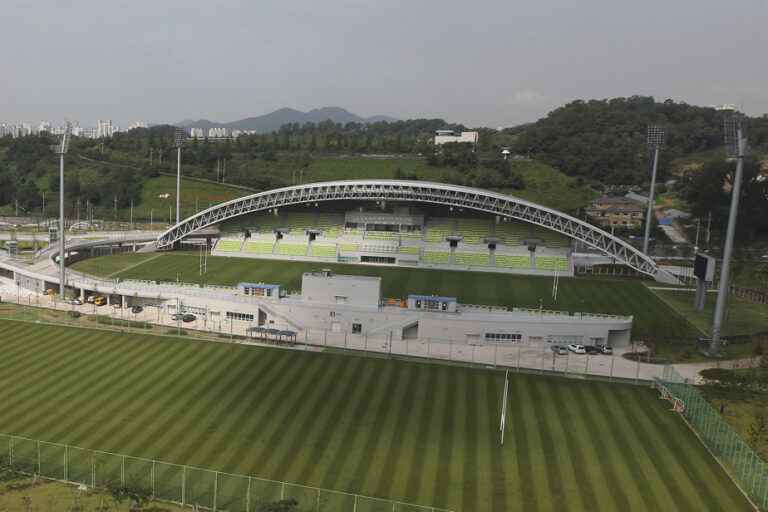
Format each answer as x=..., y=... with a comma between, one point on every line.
x=246, y=317
x=503, y=337
x=357, y=328
x=564, y=339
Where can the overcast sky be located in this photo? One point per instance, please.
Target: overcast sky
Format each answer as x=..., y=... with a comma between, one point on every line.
x=483, y=62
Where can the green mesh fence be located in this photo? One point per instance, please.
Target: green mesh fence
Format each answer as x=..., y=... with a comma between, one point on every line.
x=742, y=462
x=206, y=489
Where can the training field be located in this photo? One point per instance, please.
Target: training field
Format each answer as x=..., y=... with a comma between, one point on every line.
x=418, y=432
x=654, y=320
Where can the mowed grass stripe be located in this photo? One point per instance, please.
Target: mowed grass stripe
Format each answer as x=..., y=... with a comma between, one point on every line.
x=355, y=417
x=414, y=453
x=526, y=446
x=701, y=467
x=654, y=462
x=472, y=478
x=122, y=407
x=434, y=436
x=572, y=458
x=223, y=377
x=390, y=482
x=492, y=482
x=303, y=420
x=230, y=429
x=179, y=404
x=52, y=379
x=636, y=476
x=282, y=411
x=541, y=430
x=253, y=429
x=25, y=361
x=325, y=413
x=233, y=455
x=445, y=446
x=78, y=398
x=598, y=460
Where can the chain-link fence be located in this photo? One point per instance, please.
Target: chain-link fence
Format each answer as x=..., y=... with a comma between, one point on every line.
x=742, y=462
x=187, y=485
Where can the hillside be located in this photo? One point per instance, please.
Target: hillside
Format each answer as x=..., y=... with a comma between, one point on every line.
x=275, y=120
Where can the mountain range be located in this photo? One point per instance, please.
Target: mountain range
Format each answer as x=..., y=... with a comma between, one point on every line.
x=274, y=120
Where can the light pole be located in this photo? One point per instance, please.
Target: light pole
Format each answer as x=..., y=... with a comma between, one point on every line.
x=736, y=145
x=61, y=150
x=655, y=140
x=179, y=137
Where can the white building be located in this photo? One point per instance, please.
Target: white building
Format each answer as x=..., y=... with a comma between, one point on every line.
x=137, y=124
x=446, y=136
x=105, y=129
x=196, y=133
x=217, y=132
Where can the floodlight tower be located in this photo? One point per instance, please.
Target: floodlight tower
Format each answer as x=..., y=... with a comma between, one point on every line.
x=61, y=149
x=654, y=141
x=179, y=137
x=736, y=145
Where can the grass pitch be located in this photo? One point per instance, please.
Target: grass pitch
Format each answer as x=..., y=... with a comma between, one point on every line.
x=654, y=320
x=418, y=432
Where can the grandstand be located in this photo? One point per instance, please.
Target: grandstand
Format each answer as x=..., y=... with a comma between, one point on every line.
x=402, y=235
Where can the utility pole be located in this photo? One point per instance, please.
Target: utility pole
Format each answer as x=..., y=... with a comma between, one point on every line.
x=179, y=141
x=61, y=150
x=655, y=140
x=736, y=143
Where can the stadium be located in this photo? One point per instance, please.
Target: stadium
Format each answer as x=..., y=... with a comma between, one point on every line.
x=304, y=373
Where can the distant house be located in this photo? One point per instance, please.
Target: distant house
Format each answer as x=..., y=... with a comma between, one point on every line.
x=446, y=136
x=620, y=212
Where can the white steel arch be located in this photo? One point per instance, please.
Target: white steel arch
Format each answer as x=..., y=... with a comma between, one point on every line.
x=422, y=192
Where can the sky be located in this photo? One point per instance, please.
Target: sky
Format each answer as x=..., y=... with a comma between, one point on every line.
x=482, y=63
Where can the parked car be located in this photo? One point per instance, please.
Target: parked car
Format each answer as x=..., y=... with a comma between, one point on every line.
x=592, y=349
x=188, y=318
x=605, y=349
x=577, y=349
x=136, y=309
x=559, y=350
x=176, y=316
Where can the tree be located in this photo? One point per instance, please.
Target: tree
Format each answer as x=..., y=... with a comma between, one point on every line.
x=758, y=430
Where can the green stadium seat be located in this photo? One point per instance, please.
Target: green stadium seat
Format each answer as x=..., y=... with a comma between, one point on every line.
x=409, y=250
x=229, y=245
x=292, y=249
x=322, y=250
x=259, y=247
x=512, y=261
x=475, y=259
x=349, y=247
x=436, y=257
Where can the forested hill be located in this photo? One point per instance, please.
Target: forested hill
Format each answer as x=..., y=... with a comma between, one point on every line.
x=604, y=140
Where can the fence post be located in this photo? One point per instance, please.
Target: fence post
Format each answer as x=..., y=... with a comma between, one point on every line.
x=318, y=501
x=248, y=496
x=122, y=472
x=215, y=489
x=39, y=461
x=10, y=451
x=282, y=491
x=154, y=492
x=355, y=506
x=93, y=471
x=183, y=485
x=66, y=462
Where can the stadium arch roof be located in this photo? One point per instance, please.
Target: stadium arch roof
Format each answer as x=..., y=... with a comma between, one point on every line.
x=421, y=192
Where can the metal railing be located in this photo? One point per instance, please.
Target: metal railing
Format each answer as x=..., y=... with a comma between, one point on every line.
x=744, y=465
x=186, y=485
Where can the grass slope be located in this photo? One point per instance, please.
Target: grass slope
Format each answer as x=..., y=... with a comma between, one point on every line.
x=419, y=432
x=653, y=319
